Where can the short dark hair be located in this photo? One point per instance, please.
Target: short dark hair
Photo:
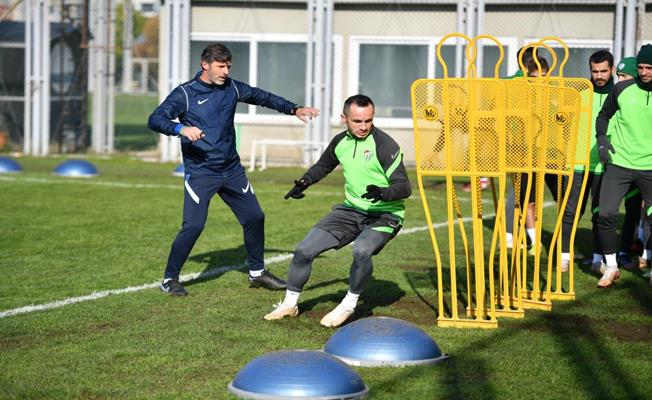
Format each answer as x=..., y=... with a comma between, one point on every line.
x=532, y=65
x=359, y=100
x=216, y=52
x=527, y=54
x=601, y=56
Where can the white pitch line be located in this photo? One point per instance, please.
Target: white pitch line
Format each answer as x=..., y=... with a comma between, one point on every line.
x=217, y=271
x=158, y=186
x=125, y=185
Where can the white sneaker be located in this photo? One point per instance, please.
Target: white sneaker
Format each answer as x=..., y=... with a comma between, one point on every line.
x=337, y=316
x=282, y=310
x=611, y=275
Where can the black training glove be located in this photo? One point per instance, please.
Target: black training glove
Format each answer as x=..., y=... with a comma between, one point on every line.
x=374, y=193
x=604, y=147
x=296, y=191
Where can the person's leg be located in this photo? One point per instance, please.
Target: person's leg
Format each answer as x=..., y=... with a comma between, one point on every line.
x=239, y=195
x=644, y=182
x=509, y=214
x=615, y=183
x=335, y=230
x=568, y=218
x=197, y=196
x=632, y=215
x=316, y=242
x=375, y=235
x=552, y=182
x=365, y=246
x=597, y=264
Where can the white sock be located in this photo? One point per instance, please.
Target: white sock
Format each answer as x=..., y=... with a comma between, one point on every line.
x=532, y=234
x=611, y=260
x=509, y=237
x=291, y=298
x=565, y=257
x=647, y=254
x=256, y=274
x=597, y=258
x=166, y=280
x=350, y=300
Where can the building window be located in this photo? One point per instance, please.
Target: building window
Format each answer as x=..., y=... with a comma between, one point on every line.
x=386, y=73
x=385, y=67
x=272, y=62
x=282, y=70
x=579, y=51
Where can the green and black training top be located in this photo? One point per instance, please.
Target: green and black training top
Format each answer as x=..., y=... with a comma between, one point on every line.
x=629, y=106
x=375, y=160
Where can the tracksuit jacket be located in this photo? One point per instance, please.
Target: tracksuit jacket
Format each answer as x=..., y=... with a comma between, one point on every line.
x=210, y=108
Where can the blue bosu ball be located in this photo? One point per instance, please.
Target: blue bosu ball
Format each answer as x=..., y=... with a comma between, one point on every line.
x=76, y=168
x=179, y=170
x=8, y=165
x=383, y=341
x=301, y=374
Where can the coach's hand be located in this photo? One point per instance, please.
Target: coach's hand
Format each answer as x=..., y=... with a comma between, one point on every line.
x=192, y=133
x=604, y=147
x=297, y=191
x=374, y=193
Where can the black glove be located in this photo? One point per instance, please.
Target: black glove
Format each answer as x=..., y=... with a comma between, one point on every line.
x=604, y=147
x=374, y=193
x=296, y=191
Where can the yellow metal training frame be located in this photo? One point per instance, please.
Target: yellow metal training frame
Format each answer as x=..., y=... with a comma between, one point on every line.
x=563, y=169
x=581, y=162
x=556, y=116
x=459, y=131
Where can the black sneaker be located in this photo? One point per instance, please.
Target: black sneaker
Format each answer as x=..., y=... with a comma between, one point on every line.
x=268, y=281
x=626, y=262
x=174, y=288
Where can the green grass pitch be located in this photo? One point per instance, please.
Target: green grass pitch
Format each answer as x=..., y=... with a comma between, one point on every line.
x=62, y=238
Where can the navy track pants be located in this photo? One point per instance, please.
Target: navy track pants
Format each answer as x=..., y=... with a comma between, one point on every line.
x=236, y=191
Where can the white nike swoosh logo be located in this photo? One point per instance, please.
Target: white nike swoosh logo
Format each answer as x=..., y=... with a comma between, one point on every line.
x=200, y=102
x=244, y=190
x=395, y=154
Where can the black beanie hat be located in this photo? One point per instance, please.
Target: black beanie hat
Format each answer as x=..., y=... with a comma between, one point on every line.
x=645, y=55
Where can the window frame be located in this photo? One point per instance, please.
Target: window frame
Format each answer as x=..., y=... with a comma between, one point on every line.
x=13, y=45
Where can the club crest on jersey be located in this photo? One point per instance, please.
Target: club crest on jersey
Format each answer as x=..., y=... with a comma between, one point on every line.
x=368, y=155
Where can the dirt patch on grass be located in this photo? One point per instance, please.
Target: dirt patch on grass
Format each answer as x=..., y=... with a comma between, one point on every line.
x=626, y=331
x=415, y=310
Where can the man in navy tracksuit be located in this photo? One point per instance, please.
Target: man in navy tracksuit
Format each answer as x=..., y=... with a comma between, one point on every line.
x=205, y=107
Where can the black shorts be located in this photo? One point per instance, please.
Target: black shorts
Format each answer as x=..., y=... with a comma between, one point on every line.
x=346, y=223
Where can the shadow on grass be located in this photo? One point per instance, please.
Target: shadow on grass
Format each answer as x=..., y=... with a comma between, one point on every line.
x=377, y=293
x=580, y=342
x=220, y=262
